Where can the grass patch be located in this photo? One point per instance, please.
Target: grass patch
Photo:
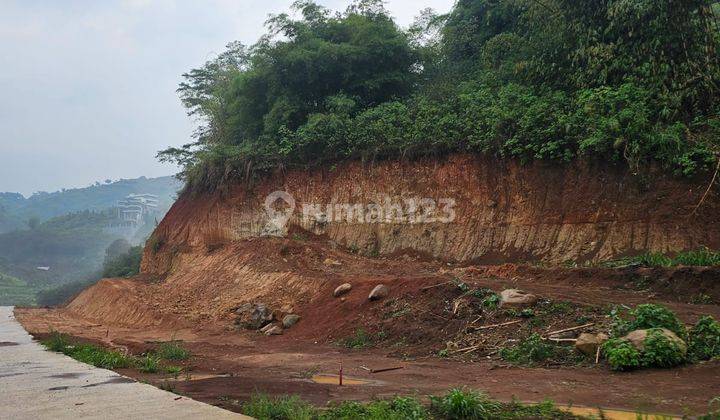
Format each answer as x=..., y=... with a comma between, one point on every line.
x=457, y=404
x=150, y=363
x=702, y=257
x=88, y=353
x=361, y=339
x=172, y=350
x=534, y=350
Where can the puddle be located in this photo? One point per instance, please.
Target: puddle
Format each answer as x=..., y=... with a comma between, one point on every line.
x=335, y=380
x=614, y=414
x=115, y=380
x=66, y=375
x=8, y=343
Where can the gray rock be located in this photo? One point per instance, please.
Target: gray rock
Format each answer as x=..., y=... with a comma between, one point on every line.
x=290, y=320
x=589, y=343
x=514, y=298
x=380, y=291
x=254, y=316
x=342, y=289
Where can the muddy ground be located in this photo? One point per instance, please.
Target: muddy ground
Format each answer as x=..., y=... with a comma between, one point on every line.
x=420, y=321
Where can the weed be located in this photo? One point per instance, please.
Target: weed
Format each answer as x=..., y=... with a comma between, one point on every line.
x=149, y=364
x=462, y=286
x=701, y=258
x=529, y=351
x=704, y=342
x=172, y=350
x=463, y=404
x=263, y=407
x=701, y=299
x=174, y=370
x=360, y=340
x=444, y=353
x=491, y=302
x=299, y=237
x=559, y=308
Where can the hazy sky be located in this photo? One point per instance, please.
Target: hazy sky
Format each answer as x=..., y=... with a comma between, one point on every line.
x=88, y=87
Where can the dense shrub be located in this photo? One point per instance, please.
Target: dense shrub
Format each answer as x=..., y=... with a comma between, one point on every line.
x=704, y=341
x=529, y=351
x=621, y=355
x=649, y=316
x=660, y=351
x=630, y=81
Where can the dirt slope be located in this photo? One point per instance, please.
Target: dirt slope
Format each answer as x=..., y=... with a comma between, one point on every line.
x=505, y=212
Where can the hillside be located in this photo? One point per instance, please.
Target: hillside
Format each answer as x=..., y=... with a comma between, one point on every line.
x=16, y=210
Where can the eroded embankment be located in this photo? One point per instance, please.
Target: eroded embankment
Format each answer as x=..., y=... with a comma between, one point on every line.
x=504, y=212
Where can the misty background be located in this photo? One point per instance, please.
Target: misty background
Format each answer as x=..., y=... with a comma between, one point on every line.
x=89, y=86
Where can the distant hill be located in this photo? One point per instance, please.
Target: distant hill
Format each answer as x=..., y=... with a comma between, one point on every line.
x=16, y=210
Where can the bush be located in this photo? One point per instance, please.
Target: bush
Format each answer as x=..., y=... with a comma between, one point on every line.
x=530, y=351
x=704, y=342
x=649, y=316
x=621, y=355
x=459, y=404
x=124, y=265
x=660, y=351
x=399, y=408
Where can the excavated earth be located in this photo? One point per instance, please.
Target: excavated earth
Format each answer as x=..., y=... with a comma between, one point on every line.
x=514, y=227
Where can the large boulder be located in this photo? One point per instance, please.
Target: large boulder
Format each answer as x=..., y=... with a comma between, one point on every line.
x=342, y=289
x=637, y=339
x=380, y=291
x=514, y=298
x=290, y=320
x=589, y=343
x=254, y=316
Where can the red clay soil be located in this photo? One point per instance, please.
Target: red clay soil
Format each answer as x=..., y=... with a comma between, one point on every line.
x=406, y=329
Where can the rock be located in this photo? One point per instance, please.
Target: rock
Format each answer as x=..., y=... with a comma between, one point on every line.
x=637, y=339
x=515, y=298
x=342, y=289
x=254, y=317
x=331, y=262
x=265, y=328
x=589, y=343
x=274, y=330
x=380, y=291
x=290, y=320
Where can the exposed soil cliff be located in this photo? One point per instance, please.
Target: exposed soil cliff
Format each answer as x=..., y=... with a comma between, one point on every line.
x=504, y=212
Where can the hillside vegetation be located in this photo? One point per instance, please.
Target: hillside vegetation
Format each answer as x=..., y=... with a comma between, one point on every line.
x=631, y=82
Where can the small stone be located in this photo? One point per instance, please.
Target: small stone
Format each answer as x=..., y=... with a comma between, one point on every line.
x=380, y=291
x=290, y=320
x=254, y=317
x=589, y=343
x=265, y=328
x=275, y=330
x=331, y=262
x=342, y=289
x=515, y=298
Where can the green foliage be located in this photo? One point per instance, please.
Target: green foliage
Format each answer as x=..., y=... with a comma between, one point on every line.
x=87, y=353
x=702, y=257
x=172, y=350
x=150, y=363
x=61, y=294
x=359, y=340
x=400, y=408
x=491, y=301
x=648, y=316
x=124, y=265
x=704, y=341
x=530, y=351
x=660, y=351
x=459, y=404
x=621, y=354
x=263, y=407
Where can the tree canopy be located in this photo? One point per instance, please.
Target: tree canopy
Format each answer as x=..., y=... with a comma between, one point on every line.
x=632, y=81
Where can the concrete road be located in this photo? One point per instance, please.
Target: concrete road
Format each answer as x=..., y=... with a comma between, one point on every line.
x=38, y=384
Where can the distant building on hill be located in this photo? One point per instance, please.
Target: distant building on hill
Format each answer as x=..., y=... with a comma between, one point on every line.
x=132, y=213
